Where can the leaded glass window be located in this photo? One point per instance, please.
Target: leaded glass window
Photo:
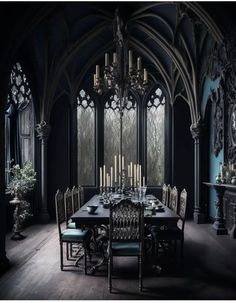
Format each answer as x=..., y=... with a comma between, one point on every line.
x=19, y=120
x=112, y=131
x=155, y=152
x=86, y=138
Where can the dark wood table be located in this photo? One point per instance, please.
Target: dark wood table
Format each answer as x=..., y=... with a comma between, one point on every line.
x=101, y=216
x=166, y=218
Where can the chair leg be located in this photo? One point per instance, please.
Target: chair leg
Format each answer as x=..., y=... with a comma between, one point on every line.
x=61, y=255
x=109, y=273
x=67, y=251
x=85, y=259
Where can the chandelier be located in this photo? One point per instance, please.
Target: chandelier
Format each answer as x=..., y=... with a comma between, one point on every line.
x=120, y=72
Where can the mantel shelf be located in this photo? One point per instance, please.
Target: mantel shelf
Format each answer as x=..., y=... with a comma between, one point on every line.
x=232, y=186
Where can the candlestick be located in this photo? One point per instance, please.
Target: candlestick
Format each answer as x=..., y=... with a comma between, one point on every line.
x=106, y=59
x=140, y=174
x=128, y=170
x=123, y=162
x=94, y=80
x=139, y=63
x=145, y=75
x=108, y=180
x=130, y=59
x=135, y=172
x=97, y=71
x=114, y=58
x=143, y=181
x=131, y=169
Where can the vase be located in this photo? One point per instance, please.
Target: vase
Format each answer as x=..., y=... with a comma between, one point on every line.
x=17, y=227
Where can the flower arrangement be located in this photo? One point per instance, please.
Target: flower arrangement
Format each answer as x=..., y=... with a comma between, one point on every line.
x=22, y=180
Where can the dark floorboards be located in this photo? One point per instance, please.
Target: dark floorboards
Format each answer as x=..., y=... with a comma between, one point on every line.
x=209, y=271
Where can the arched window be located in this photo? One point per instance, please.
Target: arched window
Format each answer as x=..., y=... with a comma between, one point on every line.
x=85, y=138
x=112, y=131
x=155, y=141
x=19, y=120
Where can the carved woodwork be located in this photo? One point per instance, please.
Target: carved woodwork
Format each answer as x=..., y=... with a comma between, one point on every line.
x=230, y=211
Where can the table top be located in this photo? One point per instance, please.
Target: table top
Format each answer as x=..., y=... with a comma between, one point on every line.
x=101, y=216
x=220, y=185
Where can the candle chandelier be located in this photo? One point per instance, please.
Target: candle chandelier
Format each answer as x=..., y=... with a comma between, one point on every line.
x=121, y=73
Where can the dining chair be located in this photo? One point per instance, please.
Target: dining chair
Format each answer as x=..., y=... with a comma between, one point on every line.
x=126, y=235
x=165, y=194
x=69, y=235
x=75, y=198
x=81, y=194
x=173, y=203
x=175, y=233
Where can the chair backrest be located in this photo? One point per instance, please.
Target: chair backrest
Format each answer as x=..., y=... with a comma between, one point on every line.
x=68, y=205
x=126, y=221
x=173, y=204
x=60, y=209
x=75, y=199
x=165, y=194
x=169, y=190
x=183, y=204
x=81, y=191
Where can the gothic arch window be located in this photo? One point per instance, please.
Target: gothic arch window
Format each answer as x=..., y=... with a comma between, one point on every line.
x=19, y=120
x=155, y=137
x=112, y=130
x=85, y=138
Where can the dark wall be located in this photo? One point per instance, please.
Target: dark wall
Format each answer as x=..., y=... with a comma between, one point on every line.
x=58, y=151
x=183, y=148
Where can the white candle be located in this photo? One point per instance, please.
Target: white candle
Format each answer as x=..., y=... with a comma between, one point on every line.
x=119, y=163
x=143, y=181
x=135, y=174
x=108, y=179
x=114, y=58
x=128, y=170
x=94, y=80
x=97, y=71
x=100, y=176
x=139, y=63
x=140, y=174
x=145, y=75
x=130, y=59
x=115, y=168
x=104, y=175
x=131, y=169
x=123, y=162
x=106, y=59
x=111, y=176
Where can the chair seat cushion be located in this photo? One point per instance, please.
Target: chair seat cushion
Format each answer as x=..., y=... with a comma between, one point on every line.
x=71, y=225
x=126, y=248
x=168, y=234
x=75, y=235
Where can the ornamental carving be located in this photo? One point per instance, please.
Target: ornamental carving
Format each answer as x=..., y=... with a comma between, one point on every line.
x=217, y=62
x=43, y=130
x=196, y=129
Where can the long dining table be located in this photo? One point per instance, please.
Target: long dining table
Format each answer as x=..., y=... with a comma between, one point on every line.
x=164, y=216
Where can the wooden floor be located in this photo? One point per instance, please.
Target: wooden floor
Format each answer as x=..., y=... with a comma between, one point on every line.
x=209, y=271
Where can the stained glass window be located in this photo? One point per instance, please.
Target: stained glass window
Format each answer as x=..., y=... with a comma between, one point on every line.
x=155, y=152
x=86, y=138
x=19, y=119
x=112, y=131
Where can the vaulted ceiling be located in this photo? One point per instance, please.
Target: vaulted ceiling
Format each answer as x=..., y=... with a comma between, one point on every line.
x=64, y=41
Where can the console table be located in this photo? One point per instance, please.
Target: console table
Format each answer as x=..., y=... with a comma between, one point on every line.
x=219, y=224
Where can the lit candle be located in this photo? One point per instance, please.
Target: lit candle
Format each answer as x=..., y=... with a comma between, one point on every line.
x=135, y=174
x=104, y=175
x=145, y=75
x=97, y=71
x=111, y=176
x=143, y=181
x=130, y=59
x=100, y=176
x=106, y=59
x=115, y=169
x=114, y=58
x=139, y=63
x=123, y=162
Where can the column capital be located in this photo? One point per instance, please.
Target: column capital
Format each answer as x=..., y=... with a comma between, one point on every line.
x=196, y=130
x=43, y=130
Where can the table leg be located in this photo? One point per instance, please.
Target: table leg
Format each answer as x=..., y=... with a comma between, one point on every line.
x=219, y=224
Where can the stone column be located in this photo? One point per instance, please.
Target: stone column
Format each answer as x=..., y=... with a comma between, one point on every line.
x=198, y=215
x=43, y=130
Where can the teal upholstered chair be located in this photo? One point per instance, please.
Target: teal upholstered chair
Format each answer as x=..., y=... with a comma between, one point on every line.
x=125, y=234
x=69, y=236
x=175, y=233
x=69, y=209
x=75, y=198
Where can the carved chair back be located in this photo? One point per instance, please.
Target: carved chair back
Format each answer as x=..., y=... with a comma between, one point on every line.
x=68, y=205
x=173, y=203
x=126, y=222
x=183, y=206
x=60, y=209
x=165, y=194
x=75, y=199
x=81, y=191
